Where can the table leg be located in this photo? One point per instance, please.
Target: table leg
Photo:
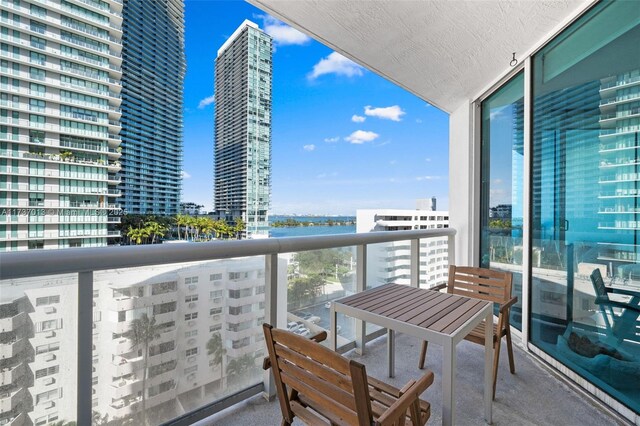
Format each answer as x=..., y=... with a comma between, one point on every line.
x=448, y=383
x=488, y=368
x=391, y=351
x=333, y=320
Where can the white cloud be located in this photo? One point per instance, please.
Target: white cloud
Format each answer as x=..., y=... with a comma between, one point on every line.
x=332, y=140
x=207, y=101
x=497, y=181
x=428, y=160
x=309, y=147
x=358, y=118
x=361, y=136
x=419, y=121
x=387, y=113
x=185, y=175
x=337, y=64
x=282, y=33
x=421, y=178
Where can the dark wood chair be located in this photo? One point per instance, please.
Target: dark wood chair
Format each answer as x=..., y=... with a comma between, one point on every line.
x=321, y=387
x=485, y=284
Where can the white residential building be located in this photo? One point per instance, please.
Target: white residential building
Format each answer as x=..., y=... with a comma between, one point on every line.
x=390, y=263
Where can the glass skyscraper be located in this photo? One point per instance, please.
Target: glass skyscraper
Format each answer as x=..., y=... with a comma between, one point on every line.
x=242, y=150
x=152, y=100
x=59, y=123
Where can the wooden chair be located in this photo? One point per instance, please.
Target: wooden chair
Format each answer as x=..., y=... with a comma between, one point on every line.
x=485, y=284
x=321, y=387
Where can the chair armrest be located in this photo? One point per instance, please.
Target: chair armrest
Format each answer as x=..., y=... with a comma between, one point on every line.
x=407, y=399
x=618, y=290
x=322, y=336
x=505, y=306
x=439, y=287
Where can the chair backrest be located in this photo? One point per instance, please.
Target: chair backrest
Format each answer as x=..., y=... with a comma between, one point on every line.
x=599, y=287
x=332, y=385
x=480, y=283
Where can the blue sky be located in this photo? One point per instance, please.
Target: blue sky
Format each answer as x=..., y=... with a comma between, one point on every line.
x=343, y=138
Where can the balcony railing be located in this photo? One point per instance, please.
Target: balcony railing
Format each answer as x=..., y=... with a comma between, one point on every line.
x=257, y=269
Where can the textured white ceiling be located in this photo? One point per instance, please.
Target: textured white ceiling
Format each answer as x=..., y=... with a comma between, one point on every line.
x=443, y=51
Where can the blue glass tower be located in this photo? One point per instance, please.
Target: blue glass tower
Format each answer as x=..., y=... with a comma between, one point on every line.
x=152, y=101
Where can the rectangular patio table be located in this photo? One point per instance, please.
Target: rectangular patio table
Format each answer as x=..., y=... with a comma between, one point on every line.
x=441, y=318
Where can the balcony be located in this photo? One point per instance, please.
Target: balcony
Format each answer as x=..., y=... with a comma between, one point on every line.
x=532, y=393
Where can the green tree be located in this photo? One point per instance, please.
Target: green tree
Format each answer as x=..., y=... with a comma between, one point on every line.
x=215, y=347
x=243, y=366
x=138, y=235
x=182, y=220
x=142, y=332
x=155, y=229
x=239, y=227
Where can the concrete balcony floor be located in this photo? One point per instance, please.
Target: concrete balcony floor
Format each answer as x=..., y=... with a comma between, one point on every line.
x=533, y=396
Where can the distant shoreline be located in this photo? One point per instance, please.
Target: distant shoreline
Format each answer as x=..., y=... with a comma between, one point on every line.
x=290, y=222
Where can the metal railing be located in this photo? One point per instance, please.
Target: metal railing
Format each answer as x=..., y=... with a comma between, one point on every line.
x=84, y=262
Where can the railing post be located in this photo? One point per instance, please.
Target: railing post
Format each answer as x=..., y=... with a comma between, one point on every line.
x=85, y=348
x=361, y=285
x=415, y=263
x=451, y=249
x=270, y=312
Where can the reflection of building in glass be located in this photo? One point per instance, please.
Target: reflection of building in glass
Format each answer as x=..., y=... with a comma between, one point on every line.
x=243, y=74
x=188, y=304
x=391, y=262
x=619, y=165
x=59, y=123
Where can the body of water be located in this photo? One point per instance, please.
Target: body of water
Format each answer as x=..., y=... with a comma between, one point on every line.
x=301, y=231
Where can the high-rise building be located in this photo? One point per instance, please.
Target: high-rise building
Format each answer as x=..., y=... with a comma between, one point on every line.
x=59, y=122
x=153, y=67
x=242, y=150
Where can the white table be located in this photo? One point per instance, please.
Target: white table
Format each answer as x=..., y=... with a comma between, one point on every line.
x=441, y=318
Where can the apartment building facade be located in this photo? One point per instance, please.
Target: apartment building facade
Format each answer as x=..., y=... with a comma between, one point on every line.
x=390, y=263
x=242, y=147
x=154, y=65
x=187, y=305
x=60, y=71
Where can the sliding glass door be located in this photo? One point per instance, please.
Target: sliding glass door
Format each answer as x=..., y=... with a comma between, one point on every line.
x=501, y=193
x=585, y=205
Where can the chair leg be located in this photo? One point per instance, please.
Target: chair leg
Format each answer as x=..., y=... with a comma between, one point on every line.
x=512, y=366
x=423, y=355
x=496, y=358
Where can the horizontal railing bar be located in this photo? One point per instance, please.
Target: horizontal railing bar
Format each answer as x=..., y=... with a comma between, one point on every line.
x=51, y=262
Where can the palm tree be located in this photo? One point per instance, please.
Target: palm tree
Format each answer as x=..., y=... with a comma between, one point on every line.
x=240, y=226
x=138, y=234
x=206, y=226
x=155, y=229
x=142, y=332
x=216, y=348
x=244, y=365
x=182, y=220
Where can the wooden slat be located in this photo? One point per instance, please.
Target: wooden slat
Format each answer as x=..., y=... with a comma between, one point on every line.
x=396, y=292
x=480, y=280
x=480, y=271
x=307, y=416
x=455, y=314
x=349, y=299
x=479, y=288
x=426, y=310
x=440, y=308
x=337, y=413
x=409, y=302
x=371, y=294
x=305, y=346
x=328, y=389
x=446, y=316
x=463, y=318
x=320, y=370
x=361, y=394
x=477, y=295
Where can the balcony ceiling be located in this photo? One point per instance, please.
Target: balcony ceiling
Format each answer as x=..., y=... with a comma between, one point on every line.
x=445, y=52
